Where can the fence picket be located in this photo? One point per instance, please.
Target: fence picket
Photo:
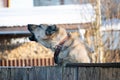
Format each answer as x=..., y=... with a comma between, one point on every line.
x=28, y=62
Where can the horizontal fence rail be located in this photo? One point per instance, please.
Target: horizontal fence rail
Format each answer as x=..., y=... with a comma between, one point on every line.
x=28, y=62
x=104, y=65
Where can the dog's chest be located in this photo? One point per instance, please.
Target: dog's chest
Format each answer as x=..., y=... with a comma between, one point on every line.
x=64, y=53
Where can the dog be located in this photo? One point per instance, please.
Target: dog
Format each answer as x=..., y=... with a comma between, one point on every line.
x=66, y=46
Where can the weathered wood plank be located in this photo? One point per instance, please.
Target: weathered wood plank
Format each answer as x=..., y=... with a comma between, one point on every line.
x=70, y=73
x=40, y=73
x=110, y=74
x=31, y=74
x=19, y=73
x=4, y=74
x=59, y=73
x=54, y=73
x=89, y=73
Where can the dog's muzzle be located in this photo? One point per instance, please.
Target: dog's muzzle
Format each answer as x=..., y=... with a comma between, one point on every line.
x=31, y=27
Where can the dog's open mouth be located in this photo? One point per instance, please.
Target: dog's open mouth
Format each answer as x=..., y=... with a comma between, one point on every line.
x=32, y=38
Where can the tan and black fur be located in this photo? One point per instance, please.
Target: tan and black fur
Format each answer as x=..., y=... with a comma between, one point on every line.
x=72, y=51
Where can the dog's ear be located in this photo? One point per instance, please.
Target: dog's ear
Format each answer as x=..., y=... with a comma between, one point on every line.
x=31, y=27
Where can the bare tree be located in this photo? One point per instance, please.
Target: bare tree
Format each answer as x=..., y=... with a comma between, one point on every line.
x=98, y=38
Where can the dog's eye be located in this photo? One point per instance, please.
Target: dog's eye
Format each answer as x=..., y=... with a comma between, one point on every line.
x=53, y=27
x=50, y=30
x=40, y=26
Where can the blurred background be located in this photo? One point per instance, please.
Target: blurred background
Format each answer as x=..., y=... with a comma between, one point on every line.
x=74, y=15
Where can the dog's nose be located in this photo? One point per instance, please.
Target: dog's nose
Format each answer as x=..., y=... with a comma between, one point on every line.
x=29, y=27
x=51, y=29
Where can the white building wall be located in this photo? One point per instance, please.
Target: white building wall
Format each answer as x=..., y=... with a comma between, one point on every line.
x=1, y=4
x=21, y=3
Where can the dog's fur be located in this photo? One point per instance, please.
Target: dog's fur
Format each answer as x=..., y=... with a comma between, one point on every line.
x=73, y=50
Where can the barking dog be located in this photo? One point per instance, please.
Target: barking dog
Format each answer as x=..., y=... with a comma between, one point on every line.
x=67, y=48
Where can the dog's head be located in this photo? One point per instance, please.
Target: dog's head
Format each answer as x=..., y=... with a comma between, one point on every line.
x=47, y=35
x=41, y=31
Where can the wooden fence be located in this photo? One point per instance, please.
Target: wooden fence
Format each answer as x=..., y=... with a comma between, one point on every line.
x=61, y=73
